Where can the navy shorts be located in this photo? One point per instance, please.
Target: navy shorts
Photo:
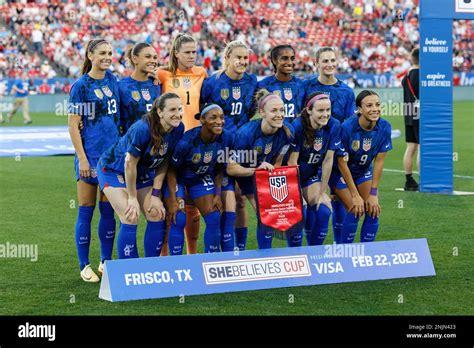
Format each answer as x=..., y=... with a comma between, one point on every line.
x=92, y=180
x=110, y=178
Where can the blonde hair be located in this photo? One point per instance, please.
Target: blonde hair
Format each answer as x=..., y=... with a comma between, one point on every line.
x=262, y=94
x=227, y=51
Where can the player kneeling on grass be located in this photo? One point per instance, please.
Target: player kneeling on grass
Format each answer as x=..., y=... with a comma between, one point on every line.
x=365, y=138
x=317, y=136
x=197, y=169
x=132, y=171
x=267, y=139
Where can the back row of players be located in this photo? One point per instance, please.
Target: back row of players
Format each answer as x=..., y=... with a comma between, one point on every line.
x=130, y=140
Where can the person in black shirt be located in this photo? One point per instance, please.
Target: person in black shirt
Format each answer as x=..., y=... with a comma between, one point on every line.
x=411, y=111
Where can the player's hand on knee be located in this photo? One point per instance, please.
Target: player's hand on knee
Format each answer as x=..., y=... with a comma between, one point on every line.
x=372, y=206
x=132, y=212
x=156, y=206
x=217, y=203
x=357, y=206
x=173, y=208
x=84, y=168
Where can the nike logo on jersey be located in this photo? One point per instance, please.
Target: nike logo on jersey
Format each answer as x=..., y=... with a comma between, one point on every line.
x=209, y=188
x=386, y=146
x=137, y=149
x=174, y=159
x=337, y=143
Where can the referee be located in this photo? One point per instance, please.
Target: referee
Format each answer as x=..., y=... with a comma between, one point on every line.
x=411, y=108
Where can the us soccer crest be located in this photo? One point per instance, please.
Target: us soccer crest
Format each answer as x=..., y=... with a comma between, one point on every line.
x=136, y=95
x=236, y=92
x=187, y=82
x=120, y=179
x=196, y=158
x=163, y=149
x=98, y=93
x=366, y=144
x=94, y=172
x=224, y=93
x=207, y=157
x=175, y=83
x=355, y=145
x=107, y=91
x=146, y=94
x=318, y=144
x=278, y=188
x=268, y=148
x=288, y=93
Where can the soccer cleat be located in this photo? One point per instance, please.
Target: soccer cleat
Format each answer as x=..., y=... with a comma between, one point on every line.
x=28, y=122
x=88, y=275
x=411, y=185
x=100, y=269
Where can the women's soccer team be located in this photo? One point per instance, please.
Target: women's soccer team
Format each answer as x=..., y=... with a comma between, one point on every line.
x=153, y=143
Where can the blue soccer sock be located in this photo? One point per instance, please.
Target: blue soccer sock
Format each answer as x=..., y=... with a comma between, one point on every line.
x=106, y=230
x=154, y=236
x=349, y=228
x=176, y=235
x=338, y=216
x=127, y=242
x=310, y=222
x=264, y=237
x=212, y=234
x=369, y=229
x=320, y=230
x=241, y=237
x=295, y=238
x=83, y=234
x=227, y=230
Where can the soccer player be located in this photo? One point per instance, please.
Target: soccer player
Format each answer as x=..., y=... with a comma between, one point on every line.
x=342, y=107
x=233, y=89
x=94, y=101
x=20, y=89
x=267, y=139
x=131, y=174
x=137, y=92
x=283, y=83
x=366, y=138
x=185, y=79
x=411, y=97
x=317, y=137
x=197, y=167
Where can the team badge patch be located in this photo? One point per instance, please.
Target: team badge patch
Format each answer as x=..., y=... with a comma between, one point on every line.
x=187, y=82
x=236, y=92
x=278, y=188
x=224, y=93
x=120, y=179
x=107, y=91
x=196, y=158
x=94, y=172
x=136, y=95
x=146, y=94
x=318, y=144
x=207, y=157
x=366, y=144
x=268, y=148
x=225, y=180
x=355, y=145
x=175, y=83
x=98, y=93
x=163, y=149
x=288, y=93
x=277, y=92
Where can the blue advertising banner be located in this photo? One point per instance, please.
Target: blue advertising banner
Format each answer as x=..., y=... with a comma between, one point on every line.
x=172, y=276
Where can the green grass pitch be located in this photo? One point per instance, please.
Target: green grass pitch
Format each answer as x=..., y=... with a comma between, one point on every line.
x=35, y=199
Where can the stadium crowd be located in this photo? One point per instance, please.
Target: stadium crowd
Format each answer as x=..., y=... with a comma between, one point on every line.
x=374, y=36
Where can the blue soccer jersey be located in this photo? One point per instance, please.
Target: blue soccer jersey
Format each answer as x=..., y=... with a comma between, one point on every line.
x=137, y=141
x=196, y=160
x=21, y=85
x=250, y=138
x=235, y=97
x=311, y=156
x=136, y=98
x=341, y=96
x=292, y=93
x=363, y=146
x=98, y=104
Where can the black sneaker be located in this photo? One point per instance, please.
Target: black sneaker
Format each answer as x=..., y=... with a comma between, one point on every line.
x=411, y=185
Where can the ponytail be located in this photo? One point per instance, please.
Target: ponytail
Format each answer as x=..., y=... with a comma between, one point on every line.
x=135, y=51
x=178, y=41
